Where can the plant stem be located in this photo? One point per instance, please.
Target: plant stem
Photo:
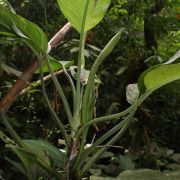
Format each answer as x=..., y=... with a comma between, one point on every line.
x=81, y=64
x=61, y=93
x=76, y=165
x=72, y=86
x=11, y=131
x=108, y=134
x=79, y=91
x=113, y=116
x=77, y=115
x=112, y=141
x=89, y=87
x=55, y=117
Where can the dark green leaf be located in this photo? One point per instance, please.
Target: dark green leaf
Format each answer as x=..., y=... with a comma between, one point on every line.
x=30, y=33
x=43, y=148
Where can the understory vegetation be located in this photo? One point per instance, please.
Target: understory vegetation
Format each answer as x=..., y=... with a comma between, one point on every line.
x=89, y=89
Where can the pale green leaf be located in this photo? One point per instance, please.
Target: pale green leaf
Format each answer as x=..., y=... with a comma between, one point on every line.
x=158, y=76
x=73, y=10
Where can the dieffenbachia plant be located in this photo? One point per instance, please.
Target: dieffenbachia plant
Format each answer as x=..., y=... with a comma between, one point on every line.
x=83, y=16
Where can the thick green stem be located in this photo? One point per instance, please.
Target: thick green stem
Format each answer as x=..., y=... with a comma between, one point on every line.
x=112, y=141
x=81, y=64
x=77, y=115
x=79, y=91
x=108, y=134
x=89, y=87
x=113, y=116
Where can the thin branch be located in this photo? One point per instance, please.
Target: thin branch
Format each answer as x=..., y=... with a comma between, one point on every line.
x=37, y=83
x=23, y=80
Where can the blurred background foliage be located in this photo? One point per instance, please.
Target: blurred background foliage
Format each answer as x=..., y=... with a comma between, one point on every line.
x=151, y=36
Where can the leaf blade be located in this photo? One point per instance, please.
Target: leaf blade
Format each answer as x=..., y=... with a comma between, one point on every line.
x=74, y=10
x=158, y=76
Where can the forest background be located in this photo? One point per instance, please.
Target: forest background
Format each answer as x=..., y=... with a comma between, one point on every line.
x=151, y=36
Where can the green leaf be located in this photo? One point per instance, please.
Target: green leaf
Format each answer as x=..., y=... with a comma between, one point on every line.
x=158, y=76
x=91, y=79
x=43, y=150
x=55, y=64
x=73, y=10
x=27, y=31
x=148, y=174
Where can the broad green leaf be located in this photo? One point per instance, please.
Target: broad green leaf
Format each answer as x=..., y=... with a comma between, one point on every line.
x=27, y=31
x=43, y=148
x=73, y=10
x=158, y=76
x=55, y=64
